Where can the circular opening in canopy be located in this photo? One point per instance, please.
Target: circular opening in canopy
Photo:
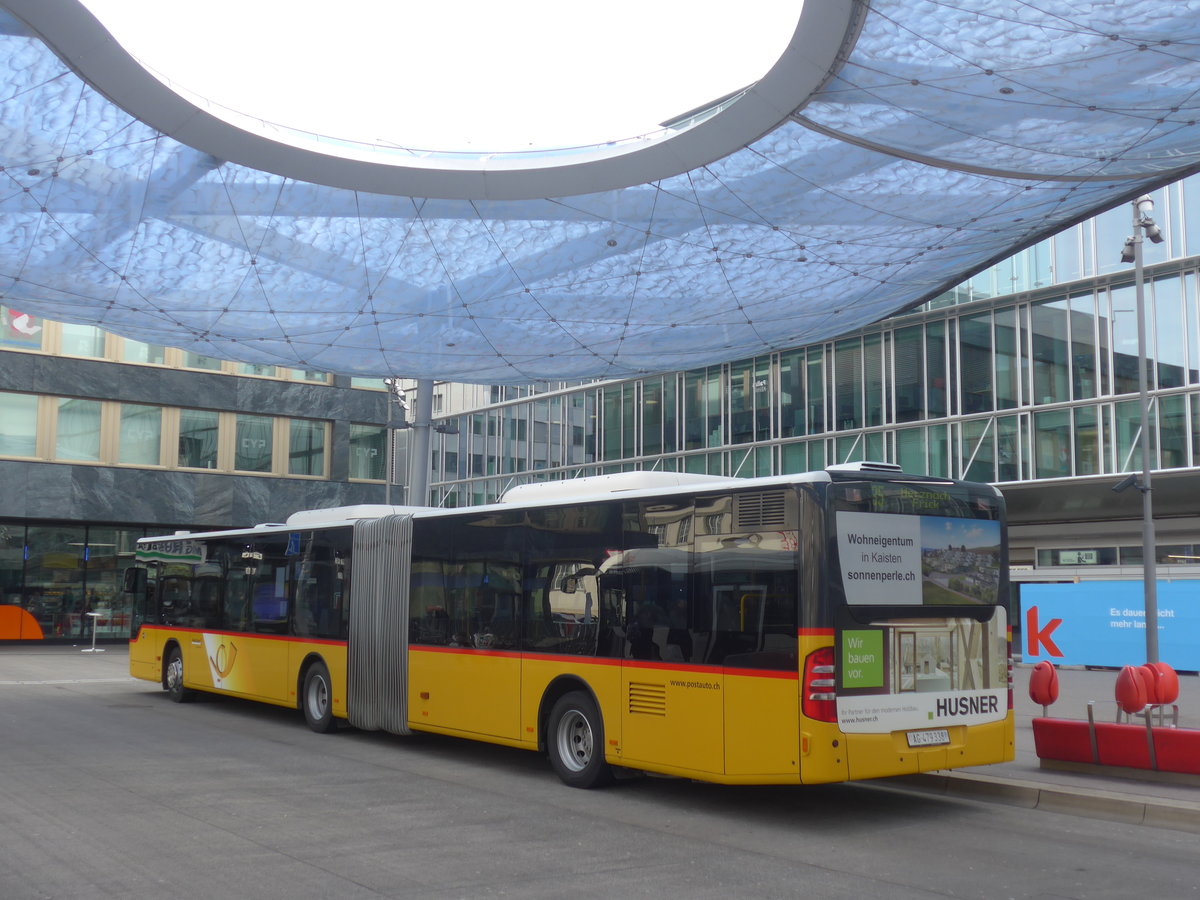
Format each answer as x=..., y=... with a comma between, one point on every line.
x=456, y=79
x=461, y=101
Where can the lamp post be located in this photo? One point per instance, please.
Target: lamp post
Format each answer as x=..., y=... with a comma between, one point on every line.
x=417, y=480
x=1132, y=252
x=418, y=476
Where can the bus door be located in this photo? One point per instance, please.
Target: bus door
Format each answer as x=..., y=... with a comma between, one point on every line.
x=261, y=668
x=203, y=614
x=180, y=599
x=745, y=607
x=464, y=659
x=479, y=684
x=140, y=586
x=672, y=714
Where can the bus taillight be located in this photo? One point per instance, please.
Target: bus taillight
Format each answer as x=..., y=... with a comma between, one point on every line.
x=820, y=699
x=1010, y=682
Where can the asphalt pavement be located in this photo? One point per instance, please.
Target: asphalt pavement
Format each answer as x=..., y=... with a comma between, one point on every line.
x=1157, y=799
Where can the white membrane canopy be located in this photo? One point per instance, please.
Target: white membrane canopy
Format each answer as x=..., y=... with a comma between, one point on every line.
x=893, y=149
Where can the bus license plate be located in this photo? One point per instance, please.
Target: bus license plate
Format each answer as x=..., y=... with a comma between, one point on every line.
x=928, y=738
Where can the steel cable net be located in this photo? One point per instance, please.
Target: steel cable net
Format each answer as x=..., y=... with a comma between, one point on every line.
x=950, y=135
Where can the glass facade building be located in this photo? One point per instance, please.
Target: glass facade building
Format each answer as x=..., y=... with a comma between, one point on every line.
x=1025, y=373
x=1025, y=376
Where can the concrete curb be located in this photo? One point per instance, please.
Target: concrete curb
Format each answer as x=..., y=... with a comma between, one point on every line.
x=1177, y=815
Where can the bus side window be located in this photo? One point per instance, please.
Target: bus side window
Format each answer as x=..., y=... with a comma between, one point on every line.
x=341, y=593
x=431, y=613
x=206, y=602
x=270, y=597
x=237, y=609
x=316, y=614
x=139, y=585
x=174, y=599
x=485, y=579
x=504, y=622
x=319, y=579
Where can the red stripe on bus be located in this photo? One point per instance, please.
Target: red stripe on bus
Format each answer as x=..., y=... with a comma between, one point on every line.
x=765, y=673
x=287, y=638
x=610, y=661
x=510, y=654
x=574, y=657
x=815, y=632
x=473, y=651
x=514, y=654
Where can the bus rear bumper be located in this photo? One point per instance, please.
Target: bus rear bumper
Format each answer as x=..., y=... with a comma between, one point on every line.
x=884, y=755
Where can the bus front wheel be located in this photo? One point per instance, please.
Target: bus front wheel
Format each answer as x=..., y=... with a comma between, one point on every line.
x=173, y=677
x=317, y=699
x=576, y=742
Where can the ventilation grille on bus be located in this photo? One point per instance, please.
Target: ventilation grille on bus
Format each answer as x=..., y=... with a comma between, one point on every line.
x=766, y=509
x=647, y=699
x=864, y=466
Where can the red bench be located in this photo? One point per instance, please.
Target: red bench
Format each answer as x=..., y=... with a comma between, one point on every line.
x=1177, y=750
x=1118, y=744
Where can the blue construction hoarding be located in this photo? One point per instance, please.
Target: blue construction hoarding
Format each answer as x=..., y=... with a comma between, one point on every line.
x=1103, y=623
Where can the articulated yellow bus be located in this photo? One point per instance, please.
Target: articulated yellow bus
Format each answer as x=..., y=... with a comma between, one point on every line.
x=836, y=625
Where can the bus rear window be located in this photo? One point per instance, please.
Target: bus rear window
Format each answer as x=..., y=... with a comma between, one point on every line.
x=918, y=545
x=952, y=499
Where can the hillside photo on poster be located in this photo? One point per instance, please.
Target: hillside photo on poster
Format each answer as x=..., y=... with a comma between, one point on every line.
x=960, y=560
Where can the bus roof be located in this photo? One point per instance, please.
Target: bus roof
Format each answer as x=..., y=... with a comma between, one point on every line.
x=551, y=493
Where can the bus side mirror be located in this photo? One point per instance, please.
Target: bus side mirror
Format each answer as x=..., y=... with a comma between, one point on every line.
x=134, y=580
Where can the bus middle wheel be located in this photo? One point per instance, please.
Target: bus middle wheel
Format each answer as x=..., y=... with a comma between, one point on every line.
x=316, y=699
x=575, y=741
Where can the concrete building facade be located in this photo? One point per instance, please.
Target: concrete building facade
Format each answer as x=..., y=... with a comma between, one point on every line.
x=104, y=440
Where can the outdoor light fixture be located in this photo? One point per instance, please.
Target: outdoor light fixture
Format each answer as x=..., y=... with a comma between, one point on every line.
x=1126, y=483
x=1143, y=207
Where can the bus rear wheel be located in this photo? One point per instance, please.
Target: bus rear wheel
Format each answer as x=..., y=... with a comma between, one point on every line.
x=173, y=677
x=575, y=741
x=316, y=699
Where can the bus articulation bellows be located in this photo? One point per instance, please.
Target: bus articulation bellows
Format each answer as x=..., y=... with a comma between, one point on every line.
x=843, y=624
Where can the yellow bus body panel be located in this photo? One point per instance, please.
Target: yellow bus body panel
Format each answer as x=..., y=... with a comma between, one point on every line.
x=762, y=724
x=822, y=752
x=145, y=655
x=470, y=691
x=600, y=677
x=255, y=667
x=672, y=717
